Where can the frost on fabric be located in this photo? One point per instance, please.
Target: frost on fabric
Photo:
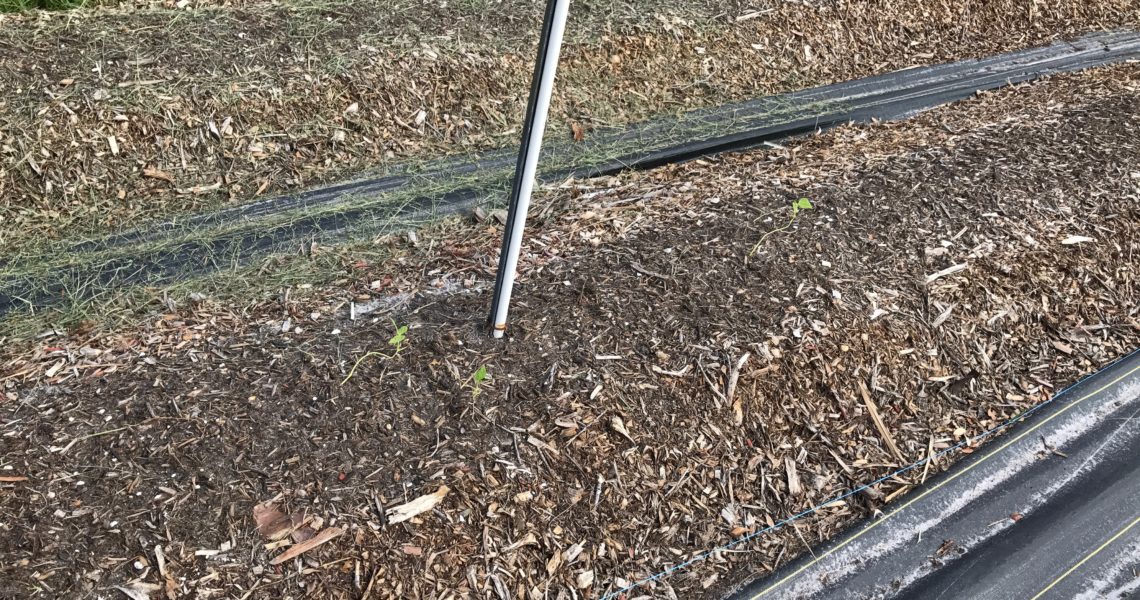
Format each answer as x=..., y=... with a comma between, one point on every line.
x=909, y=526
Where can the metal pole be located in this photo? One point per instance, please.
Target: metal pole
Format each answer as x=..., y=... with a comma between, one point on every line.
x=542, y=85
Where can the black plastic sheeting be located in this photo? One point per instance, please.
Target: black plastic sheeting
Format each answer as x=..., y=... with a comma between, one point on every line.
x=1049, y=511
x=646, y=145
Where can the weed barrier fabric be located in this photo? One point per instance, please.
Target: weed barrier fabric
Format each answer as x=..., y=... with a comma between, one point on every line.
x=237, y=236
x=1050, y=510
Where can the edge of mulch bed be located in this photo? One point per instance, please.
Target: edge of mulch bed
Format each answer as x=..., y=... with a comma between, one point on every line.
x=1050, y=494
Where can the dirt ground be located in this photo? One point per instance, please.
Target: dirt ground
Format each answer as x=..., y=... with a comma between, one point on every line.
x=112, y=118
x=662, y=392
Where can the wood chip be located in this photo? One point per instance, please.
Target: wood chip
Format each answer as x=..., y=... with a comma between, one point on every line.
x=158, y=174
x=554, y=562
x=940, y=319
x=199, y=189
x=423, y=504
x=730, y=389
x=681, y=373
x=323, y=536
x=138, y=590
x=794, y=487
x=945, y=272
x=882, y=427
x=619, y=426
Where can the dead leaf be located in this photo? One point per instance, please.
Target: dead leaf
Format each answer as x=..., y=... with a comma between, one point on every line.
x=578, y=131
x=584, y=580
x=423, y=504
x=271, y=523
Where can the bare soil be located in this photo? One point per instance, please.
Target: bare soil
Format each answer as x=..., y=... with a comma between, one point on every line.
x=959, y=267
x=111, y=118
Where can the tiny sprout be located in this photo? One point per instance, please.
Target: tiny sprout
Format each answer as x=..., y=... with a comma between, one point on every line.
x=398, y=339
x=797, y=206
x=801, y=204
x=478, y=377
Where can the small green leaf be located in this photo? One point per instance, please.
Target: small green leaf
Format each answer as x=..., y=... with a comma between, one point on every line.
x=798, y=205
x=480, y=375
x=401, y=334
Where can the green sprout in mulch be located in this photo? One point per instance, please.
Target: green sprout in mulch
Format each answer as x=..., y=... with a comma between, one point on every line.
x=796, y=207
x=476, y=381
x=396, y=341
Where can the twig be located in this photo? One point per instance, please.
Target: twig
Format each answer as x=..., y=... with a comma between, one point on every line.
x=101, y=433
x=1052, y=449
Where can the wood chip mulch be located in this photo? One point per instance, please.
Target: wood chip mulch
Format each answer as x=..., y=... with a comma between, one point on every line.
x=661, y=394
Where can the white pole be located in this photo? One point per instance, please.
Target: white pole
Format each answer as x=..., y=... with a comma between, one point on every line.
x=539, y=106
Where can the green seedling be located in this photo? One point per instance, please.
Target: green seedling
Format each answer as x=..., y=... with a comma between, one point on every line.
x=396, y=341
x=477, y=378
x=797, y=206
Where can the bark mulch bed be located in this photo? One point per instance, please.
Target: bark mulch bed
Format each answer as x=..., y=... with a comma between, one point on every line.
x=115, y=117
x=661, y=394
